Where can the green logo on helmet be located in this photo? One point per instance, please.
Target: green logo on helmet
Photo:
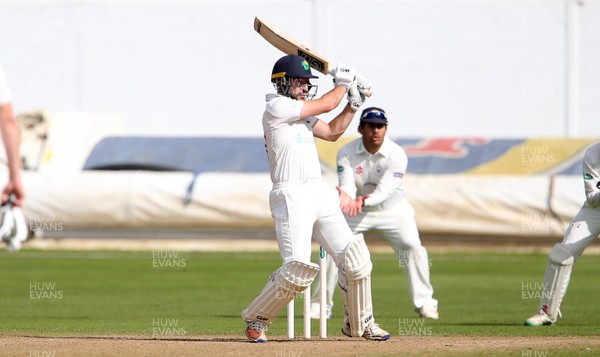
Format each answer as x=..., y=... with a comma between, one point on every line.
x=340, y=168
x=305, y=65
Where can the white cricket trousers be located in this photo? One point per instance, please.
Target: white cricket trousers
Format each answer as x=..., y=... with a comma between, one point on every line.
x=582, y=231
x=305, y=211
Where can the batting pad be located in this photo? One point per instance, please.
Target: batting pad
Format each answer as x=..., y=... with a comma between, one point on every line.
x=283, y=286
x=556, y=280
x=355, y=283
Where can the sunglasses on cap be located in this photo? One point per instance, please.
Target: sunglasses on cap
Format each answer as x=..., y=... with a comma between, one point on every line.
x=374, y=114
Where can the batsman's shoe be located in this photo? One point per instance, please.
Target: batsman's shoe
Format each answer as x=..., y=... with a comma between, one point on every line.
x=540, y=319
x=315, y=311
x=372, y=332
x=255, y=331
x=428, y=312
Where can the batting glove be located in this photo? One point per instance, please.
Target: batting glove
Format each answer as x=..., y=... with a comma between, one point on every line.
x=344, y=75
x=355, y=97
x=364, y=86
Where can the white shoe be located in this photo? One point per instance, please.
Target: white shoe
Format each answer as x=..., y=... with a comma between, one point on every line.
x=315, y=311
x=372, y=332
x=14, y=245
x=540, y=319
x=428, y=312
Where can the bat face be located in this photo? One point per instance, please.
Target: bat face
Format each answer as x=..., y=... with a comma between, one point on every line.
x=314, y=62
x=290, y=46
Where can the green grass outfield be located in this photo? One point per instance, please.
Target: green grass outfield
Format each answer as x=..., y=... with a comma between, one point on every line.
x=202, y=293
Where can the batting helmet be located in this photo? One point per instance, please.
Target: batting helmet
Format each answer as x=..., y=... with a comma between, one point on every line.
x=290, y=66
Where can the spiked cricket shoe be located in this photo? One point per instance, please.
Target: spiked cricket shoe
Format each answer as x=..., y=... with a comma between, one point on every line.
x=428, y=312
x=255, y=331
x=540, y=319
x=372, y=332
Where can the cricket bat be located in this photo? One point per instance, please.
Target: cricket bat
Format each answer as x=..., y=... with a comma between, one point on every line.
x=291, y=46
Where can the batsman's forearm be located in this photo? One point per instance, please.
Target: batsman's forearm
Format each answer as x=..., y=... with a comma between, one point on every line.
x=333, y=98
x=339, y=125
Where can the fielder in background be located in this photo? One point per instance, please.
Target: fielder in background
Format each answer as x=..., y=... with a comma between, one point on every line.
x=13, y=227
x=303, y=206
x=370, y=171
x=9, y=128
x=584, y=228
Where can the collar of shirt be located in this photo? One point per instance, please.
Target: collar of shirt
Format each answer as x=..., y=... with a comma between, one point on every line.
x=384, y=150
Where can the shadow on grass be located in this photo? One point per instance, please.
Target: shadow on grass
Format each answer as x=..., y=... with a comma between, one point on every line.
x=479, y=324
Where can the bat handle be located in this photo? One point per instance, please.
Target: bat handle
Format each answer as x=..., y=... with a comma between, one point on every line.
x=367, y=92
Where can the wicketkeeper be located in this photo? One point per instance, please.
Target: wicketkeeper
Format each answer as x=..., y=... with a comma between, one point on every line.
x=584, y=228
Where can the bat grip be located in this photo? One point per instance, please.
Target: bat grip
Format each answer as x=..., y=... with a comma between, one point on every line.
x=365, y=92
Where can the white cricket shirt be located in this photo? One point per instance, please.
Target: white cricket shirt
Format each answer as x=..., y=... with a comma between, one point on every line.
x=378, y=175
x=290, y=143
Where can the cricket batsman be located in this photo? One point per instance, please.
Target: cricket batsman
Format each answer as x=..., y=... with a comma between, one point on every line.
x=303, y=206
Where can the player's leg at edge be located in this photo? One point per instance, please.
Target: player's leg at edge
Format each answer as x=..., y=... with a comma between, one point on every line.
x=556, y=280
x=415, y=263
x=284, y=285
